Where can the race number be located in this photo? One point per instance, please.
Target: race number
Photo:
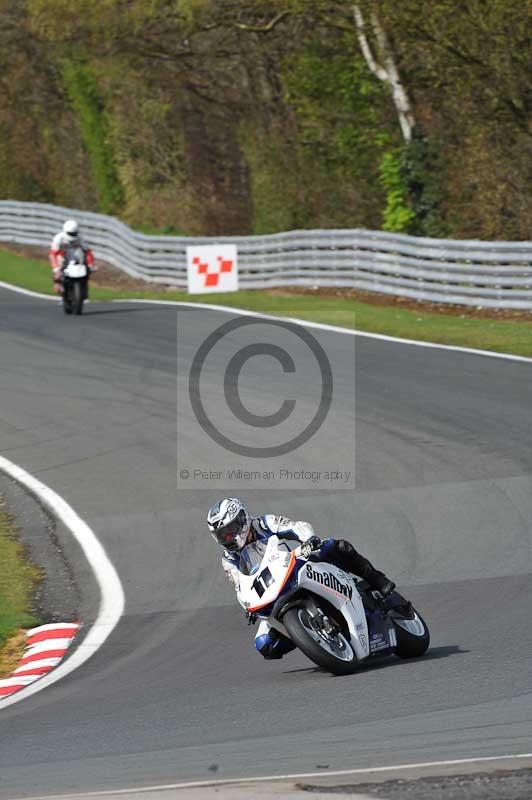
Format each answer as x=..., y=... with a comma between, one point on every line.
x=262, y=581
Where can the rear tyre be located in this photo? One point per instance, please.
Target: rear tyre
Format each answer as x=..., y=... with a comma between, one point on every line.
x=77, y=298
x=332, y=651
x=413, y=637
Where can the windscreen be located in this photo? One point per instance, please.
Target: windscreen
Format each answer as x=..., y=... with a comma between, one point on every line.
x=75, y=254
x=251, y=557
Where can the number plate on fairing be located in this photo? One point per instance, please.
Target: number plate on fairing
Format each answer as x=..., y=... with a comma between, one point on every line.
x=76, y=270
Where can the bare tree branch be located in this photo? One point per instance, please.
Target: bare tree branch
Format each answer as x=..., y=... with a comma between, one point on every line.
x=400, y=95
x=375, y=68
x=263, y=28
x=334, y=23
x=386, y=70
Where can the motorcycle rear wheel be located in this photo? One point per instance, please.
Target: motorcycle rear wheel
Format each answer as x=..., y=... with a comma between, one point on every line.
x=334, y=652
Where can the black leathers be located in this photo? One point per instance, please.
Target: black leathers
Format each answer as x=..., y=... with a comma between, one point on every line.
x=343, y=554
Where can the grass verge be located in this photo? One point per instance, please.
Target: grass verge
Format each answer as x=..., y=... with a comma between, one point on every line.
x=500, y=335
x=18, y=578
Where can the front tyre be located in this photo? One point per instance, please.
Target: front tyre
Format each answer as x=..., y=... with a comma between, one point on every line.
x=67, y=298
x=320, y=637
x=77, y=297
x=413, y=637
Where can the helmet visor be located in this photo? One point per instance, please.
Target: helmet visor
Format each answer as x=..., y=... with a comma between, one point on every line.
x=229, y=533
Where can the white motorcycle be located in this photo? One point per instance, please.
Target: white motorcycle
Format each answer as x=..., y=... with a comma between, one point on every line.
x=75, y=281
x=333, y=618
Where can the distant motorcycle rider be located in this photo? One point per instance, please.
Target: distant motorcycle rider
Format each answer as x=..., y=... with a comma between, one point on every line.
x=65, y=242
x=232, y=527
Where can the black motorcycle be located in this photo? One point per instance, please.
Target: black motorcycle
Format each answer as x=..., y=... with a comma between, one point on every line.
x=75, y=281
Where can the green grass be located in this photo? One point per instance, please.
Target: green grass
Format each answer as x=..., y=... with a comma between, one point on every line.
x=26, y=272
x=17, y=583
x=506, y=336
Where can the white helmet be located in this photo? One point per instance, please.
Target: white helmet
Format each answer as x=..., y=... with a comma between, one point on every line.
x=71, y=229
x=229, y=524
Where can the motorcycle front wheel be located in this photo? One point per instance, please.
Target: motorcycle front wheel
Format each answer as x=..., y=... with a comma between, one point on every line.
x=77, y=297
x=330, y=649
x=67, y=299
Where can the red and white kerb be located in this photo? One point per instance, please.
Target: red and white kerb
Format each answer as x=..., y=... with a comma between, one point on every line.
x=46, y=646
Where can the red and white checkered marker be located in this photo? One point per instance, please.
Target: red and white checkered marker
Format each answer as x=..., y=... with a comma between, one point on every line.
x=212, y=268
x=46, y=646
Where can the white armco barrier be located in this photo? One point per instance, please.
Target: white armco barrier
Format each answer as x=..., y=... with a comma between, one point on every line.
x=465, y=272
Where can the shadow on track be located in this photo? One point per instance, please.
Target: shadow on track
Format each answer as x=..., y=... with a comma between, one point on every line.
x=388, y=662
x=91, y=312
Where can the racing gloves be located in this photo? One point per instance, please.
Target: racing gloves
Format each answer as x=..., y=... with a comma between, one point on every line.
x=308, y=547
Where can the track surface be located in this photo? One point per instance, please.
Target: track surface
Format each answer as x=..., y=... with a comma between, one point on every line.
x=444, y=504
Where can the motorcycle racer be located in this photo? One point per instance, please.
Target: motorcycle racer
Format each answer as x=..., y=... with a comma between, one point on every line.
x=233, y=528
x=67, y=239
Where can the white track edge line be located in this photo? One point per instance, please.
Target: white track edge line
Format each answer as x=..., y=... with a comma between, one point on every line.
x=11, y=287
x=306, y=323
x=288, y=777
x=112, y=600
x=322, y=326
x=19, y=290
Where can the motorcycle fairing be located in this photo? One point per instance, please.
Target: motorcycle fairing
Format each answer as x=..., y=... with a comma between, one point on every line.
x=382, y=638
x=339, y=588
x=270, y=569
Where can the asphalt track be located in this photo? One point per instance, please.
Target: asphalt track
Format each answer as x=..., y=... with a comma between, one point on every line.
x=443, y=503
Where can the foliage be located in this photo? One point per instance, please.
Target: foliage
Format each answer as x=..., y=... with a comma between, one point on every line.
x=82, y=89
x=420, y=169
x=470, y=65
x=231, y=117
x=343, y=127
x=397, y=216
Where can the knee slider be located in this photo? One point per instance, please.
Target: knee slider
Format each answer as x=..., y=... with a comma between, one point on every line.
x=273, y=645
x=265, y=644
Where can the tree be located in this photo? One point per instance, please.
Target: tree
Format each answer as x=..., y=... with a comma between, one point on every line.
x=230, y=116
x=384, y=67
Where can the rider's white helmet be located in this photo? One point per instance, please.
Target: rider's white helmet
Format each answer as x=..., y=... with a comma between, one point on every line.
x=71, y=229
x=229, y=524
